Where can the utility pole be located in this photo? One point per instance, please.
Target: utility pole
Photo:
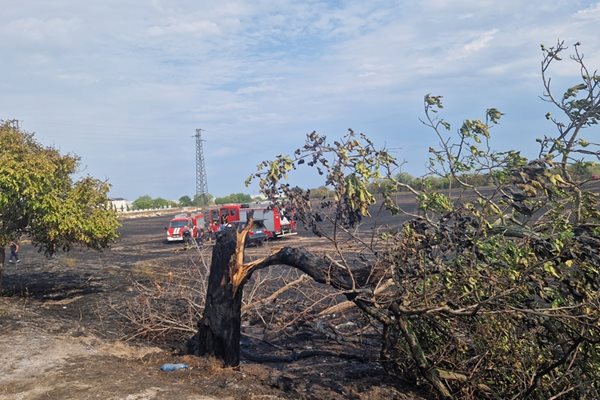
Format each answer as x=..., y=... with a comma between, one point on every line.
x=201, y=185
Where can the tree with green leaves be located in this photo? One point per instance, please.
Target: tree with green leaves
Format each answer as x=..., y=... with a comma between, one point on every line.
x=234, y=198
x=40, y=200
x=185, y=201
x=160, y=202
x=202, y=200
x=484, y=293
x=145, y=202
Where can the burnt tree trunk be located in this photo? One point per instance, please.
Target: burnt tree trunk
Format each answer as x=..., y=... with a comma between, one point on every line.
x=219, y=329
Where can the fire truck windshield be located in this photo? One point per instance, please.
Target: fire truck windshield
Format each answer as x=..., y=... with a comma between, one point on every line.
x=178, y=224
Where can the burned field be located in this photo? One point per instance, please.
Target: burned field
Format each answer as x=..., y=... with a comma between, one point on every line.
x=88, y=324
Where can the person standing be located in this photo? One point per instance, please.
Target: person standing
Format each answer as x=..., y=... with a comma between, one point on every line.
x=200, y=238
x=14, y=253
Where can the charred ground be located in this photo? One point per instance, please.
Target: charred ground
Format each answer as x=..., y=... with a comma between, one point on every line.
x=63, y=335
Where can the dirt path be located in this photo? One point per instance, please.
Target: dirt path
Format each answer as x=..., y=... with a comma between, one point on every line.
x=49, y=357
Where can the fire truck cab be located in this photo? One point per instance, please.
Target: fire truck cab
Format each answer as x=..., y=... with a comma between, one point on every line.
x=184, y=227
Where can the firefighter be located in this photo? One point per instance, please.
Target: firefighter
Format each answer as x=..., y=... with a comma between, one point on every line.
x=14, y=253
x=200, y=238
x=187, y=235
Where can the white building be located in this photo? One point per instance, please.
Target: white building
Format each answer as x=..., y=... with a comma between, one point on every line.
x=120, y=204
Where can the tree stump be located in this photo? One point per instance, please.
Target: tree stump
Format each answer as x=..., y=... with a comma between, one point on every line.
x=219, y=329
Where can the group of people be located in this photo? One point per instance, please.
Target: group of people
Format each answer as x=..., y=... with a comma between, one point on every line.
x=201, y=236
x=207, y=234
x=204, y=234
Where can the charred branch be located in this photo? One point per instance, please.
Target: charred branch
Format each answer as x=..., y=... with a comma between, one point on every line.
x=322, y=271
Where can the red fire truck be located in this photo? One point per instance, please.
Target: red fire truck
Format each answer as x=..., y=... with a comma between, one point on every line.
x=184, y=226
x=277, y=223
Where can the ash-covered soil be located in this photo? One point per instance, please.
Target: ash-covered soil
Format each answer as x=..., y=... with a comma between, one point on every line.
x=61, y=336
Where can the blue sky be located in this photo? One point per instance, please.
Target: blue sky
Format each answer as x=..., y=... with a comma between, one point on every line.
x=125, y=83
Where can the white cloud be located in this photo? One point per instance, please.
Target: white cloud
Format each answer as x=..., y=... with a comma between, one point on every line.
x=54, y=31
x=590, y=13
x=196, y=28
x=479, y=43
x=77, y=78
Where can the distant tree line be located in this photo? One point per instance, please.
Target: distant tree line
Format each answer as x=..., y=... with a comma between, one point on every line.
x=146, y=202
x=580, y=170
x=234, y=198
x=199, y=200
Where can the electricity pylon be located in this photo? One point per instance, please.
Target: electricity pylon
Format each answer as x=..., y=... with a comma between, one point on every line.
x=201, y=185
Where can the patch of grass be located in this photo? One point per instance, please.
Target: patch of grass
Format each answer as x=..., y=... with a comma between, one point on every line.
x=70, y=262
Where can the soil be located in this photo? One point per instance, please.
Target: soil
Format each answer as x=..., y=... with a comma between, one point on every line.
x=61, y=338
